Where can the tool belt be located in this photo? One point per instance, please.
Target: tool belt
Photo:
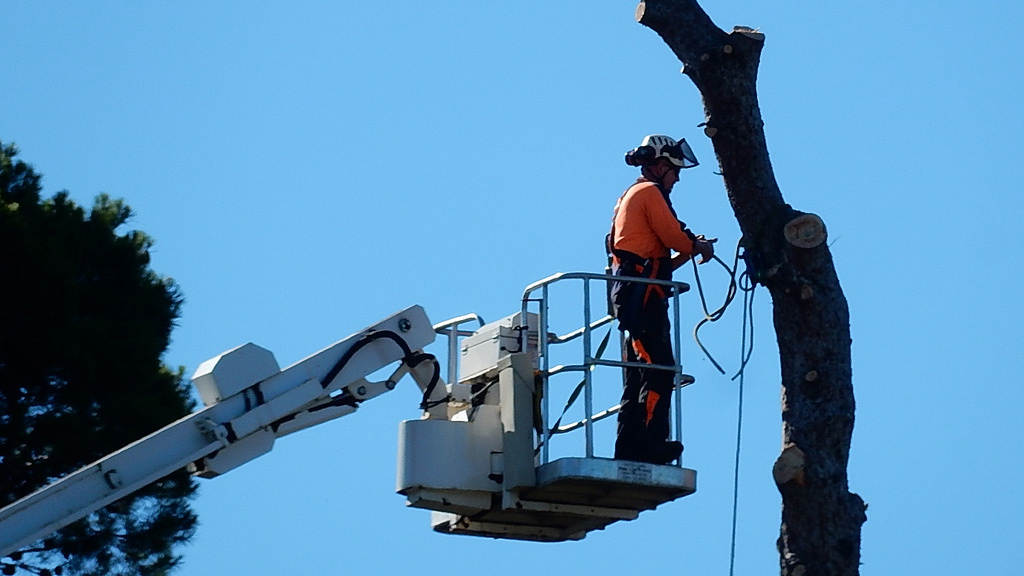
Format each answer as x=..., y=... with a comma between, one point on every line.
x=628, y=301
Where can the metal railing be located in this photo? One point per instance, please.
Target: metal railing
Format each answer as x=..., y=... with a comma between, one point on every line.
x=589, y=361
x=450, y=328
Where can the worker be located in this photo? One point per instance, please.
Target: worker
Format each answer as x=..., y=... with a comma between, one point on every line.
x=645, y=232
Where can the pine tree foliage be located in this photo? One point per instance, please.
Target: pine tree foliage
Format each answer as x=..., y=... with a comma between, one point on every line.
x=84, y=322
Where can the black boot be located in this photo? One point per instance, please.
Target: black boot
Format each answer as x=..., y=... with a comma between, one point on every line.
x=660, y=453
x=663, y=453
x=643, y=437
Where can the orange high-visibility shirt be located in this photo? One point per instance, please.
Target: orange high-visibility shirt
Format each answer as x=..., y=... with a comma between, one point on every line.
x=645, y=225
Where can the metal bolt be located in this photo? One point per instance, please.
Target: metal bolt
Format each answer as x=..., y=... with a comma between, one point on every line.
x=404, y=325
x=361, y=390
x=113, y=479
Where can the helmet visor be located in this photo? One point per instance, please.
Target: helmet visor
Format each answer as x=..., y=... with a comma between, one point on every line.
x=680, y=154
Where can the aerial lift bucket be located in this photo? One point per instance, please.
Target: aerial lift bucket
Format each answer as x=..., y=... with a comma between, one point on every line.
x=483, y=467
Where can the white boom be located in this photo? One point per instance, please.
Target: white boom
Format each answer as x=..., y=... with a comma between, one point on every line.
x=249, y=402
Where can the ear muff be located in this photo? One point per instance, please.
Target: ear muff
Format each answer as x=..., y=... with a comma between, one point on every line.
x=641, y=156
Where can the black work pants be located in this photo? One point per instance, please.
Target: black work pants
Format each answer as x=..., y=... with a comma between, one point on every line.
x=644, y=417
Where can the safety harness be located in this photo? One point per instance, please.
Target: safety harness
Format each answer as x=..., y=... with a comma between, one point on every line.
x=626, y=300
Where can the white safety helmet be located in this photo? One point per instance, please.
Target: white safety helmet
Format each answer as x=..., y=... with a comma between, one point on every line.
x=657, y=146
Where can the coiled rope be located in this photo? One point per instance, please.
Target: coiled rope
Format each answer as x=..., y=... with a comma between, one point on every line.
x=746, y=285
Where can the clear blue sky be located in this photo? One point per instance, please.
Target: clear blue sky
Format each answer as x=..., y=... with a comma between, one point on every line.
x=308, y=168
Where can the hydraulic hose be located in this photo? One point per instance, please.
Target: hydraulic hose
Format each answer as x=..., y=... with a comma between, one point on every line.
x=408, y=356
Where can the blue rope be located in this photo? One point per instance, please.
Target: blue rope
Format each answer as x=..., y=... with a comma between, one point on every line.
x=745, y=352
x=747, y=286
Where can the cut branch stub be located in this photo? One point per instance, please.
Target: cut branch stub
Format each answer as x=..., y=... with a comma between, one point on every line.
x=806, y=231
x=789, y=467
x=752, y=33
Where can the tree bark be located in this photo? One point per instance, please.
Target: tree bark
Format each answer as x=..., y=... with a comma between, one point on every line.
x=821, y=518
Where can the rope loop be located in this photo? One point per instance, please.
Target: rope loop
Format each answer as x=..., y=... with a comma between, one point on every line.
x=743, y=282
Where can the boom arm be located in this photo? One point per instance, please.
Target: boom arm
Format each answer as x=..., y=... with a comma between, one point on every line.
x=249, y=403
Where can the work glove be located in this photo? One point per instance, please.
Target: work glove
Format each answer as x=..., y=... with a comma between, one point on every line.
x=705, y=247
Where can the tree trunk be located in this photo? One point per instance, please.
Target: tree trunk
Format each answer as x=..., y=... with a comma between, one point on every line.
x=821, y=518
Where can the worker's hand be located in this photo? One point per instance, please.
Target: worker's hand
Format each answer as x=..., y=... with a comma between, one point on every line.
x=705, y=247
x=679, y=259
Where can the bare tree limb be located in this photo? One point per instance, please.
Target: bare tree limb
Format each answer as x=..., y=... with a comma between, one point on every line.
x=821, y=518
